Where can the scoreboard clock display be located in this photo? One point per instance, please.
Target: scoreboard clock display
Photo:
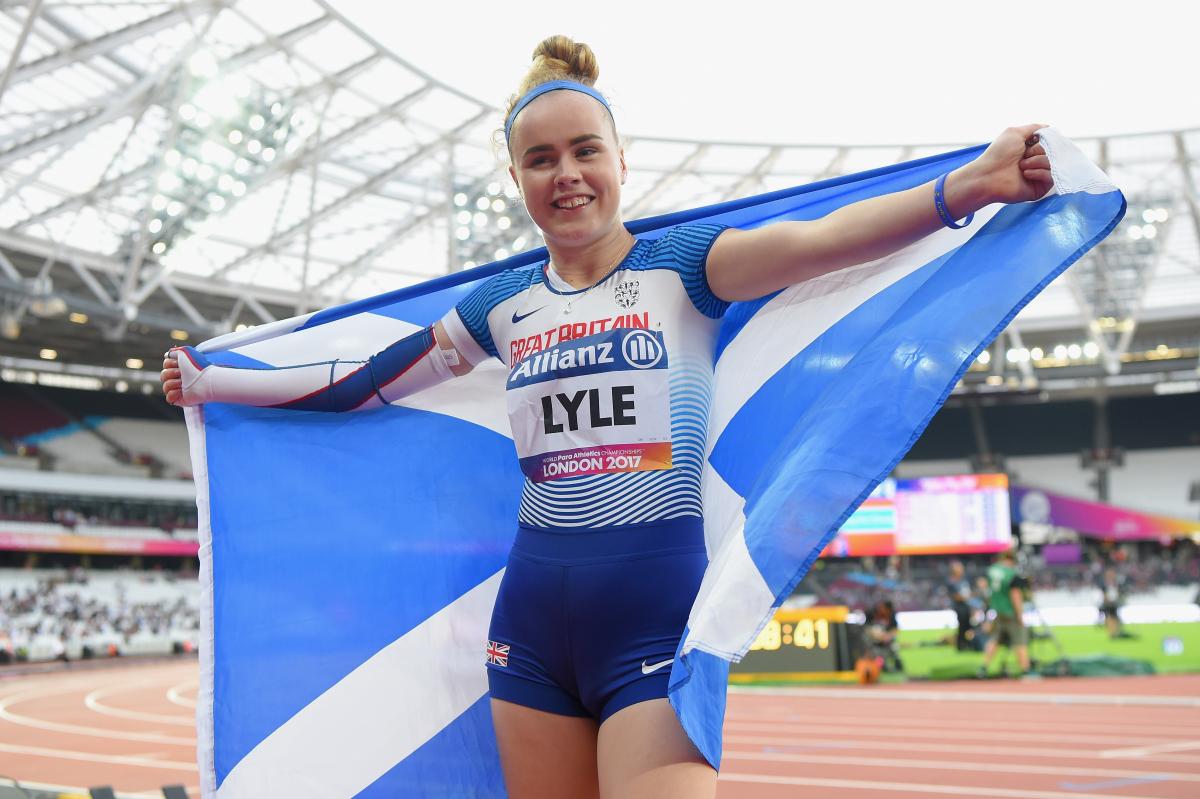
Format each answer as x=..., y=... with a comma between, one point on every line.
x=809, y=644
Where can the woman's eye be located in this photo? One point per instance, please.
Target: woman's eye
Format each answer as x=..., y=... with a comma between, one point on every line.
x=587, y=151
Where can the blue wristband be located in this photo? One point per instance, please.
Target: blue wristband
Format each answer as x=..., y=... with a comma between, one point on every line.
x=939, y=202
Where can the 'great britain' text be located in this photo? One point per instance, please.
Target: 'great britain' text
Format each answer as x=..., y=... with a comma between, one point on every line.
x=523, y=347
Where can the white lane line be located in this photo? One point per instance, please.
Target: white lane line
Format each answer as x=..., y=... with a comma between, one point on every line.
x=83, y=681
x=971, y=696
x=818, y=748
x=910, y=722
x=1143, y=751
x=24, y=687
x=949, y=765
x=92, y=757
x=858, y=732
x=912, y=787
x=26, y=721
x=93, y=703
x=175, y=694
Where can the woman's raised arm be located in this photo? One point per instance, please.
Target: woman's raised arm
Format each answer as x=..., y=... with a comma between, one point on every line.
x=748, y=264
x=414, y=363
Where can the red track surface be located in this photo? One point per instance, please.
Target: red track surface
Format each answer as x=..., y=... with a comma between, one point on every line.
x=1050, y=739
x=131, y=727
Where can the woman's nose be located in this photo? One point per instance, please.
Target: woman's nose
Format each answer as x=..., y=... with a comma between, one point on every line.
x=568, y=171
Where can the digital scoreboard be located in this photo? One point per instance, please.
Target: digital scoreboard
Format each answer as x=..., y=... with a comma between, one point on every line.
x=809, y=644
x=957, y=514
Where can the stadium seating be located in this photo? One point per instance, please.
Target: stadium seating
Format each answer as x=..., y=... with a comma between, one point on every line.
x=78, y=449
x=21, y=414
x=166, y=441
x=49, y=614
x=96, y=432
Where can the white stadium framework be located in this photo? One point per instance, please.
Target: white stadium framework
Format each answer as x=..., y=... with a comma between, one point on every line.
x=170, y=171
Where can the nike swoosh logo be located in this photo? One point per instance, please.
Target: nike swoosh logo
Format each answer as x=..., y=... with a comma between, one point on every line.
x=651, y=669
x=518, y=317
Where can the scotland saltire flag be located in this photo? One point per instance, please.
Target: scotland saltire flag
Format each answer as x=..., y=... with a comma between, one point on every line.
x=351, y=561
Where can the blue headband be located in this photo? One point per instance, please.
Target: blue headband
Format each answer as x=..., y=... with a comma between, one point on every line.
x=538, y=91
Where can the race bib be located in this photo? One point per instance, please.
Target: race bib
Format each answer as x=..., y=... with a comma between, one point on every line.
x=592, y=405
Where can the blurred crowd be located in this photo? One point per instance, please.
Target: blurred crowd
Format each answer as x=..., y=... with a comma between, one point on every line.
x=923, y=583
x=102, y=511
x=1149, y=570
x=60, y=618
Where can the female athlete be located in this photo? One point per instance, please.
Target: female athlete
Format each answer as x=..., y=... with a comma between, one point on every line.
x=610, y=348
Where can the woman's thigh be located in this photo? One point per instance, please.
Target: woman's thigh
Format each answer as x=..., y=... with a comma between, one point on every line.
x=643, y=753
x=544, y=754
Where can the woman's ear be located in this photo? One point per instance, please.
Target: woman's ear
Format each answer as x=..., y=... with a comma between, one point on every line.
x=512, y=173
x=624, y=169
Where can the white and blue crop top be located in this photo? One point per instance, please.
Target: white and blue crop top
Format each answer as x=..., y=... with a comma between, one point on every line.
x=609, y=387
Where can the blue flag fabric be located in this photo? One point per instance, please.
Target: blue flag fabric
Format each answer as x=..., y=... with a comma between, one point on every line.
x=350, y=561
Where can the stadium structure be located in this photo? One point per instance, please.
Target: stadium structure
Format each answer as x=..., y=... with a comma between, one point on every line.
x=173, y=171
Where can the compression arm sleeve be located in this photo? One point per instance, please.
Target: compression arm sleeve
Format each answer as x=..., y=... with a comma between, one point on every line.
x=406, y=367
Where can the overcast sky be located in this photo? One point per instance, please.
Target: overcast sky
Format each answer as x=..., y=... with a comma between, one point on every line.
x=844, y=71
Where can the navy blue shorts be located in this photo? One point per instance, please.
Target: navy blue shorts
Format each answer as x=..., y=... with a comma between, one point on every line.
x=587, y=622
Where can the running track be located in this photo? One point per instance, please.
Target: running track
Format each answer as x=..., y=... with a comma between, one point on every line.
x=131, y=727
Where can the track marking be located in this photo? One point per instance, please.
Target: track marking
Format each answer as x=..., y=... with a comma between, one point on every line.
x=955, y=790
x=92, y=757
x=175, y=697
x=84, y=680
x=910, y=722
x=974, y=696
x=1143, y=751
x=858, y=732
x=1084, y=786
x=977, y=767
x=92, y=702
x=26, y=721
x=997, y=751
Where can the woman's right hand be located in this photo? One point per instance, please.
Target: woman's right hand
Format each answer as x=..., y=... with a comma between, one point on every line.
x=172, y=380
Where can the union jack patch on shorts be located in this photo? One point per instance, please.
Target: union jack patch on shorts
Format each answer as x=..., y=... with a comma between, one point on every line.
x=497, y=653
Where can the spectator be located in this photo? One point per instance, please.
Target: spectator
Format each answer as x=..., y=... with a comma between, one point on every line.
x=958, y=588
x=881, y=632
x=1112, y=597
x=50, y=612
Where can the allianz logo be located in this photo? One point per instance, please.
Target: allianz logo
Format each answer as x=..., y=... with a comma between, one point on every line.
x=641, y=349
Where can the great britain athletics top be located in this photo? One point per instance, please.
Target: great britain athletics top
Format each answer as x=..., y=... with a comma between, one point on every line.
x=609, y=387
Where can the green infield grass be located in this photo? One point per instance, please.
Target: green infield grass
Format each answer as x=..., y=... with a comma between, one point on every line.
x=1149, y=642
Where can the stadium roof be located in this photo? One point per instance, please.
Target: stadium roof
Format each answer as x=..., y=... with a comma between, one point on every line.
x=198, y=165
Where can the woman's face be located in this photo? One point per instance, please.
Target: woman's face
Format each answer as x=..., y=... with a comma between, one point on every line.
x=569, y=167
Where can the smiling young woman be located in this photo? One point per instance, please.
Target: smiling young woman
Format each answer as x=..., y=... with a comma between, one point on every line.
x=609, y=345
x=568, y=163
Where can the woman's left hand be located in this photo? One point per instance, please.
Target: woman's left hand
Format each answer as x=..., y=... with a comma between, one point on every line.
x=748, y=264
x=1014, y=168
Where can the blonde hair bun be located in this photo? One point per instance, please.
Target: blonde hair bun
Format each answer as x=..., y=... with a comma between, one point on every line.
x=557, y=58
x=563, y=58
